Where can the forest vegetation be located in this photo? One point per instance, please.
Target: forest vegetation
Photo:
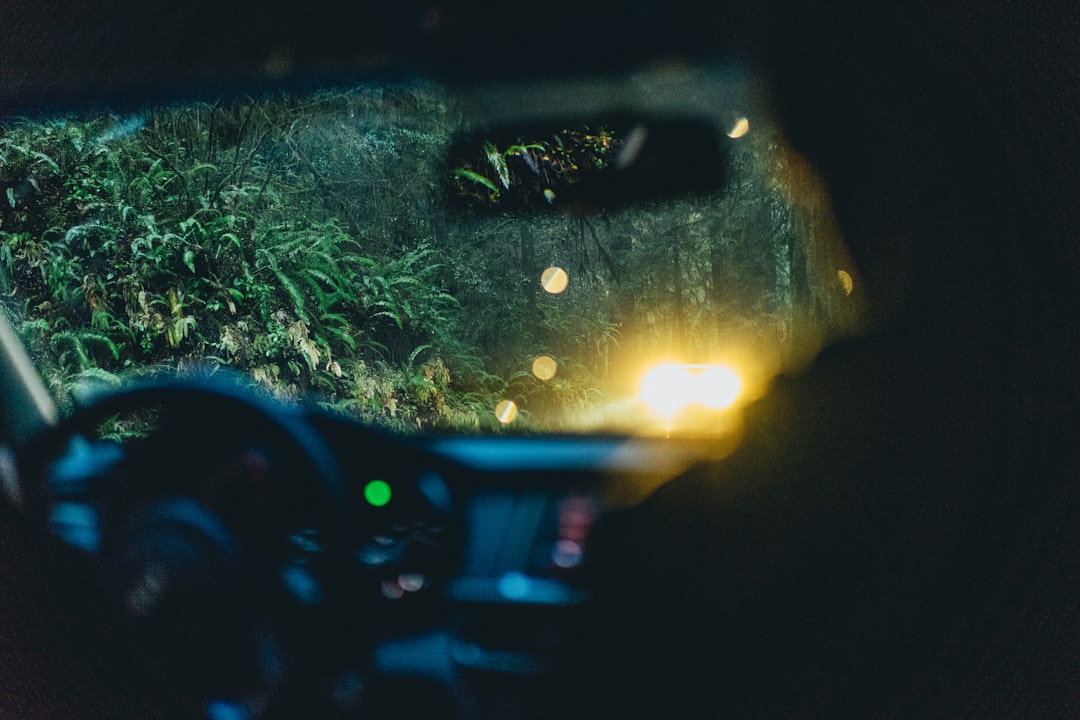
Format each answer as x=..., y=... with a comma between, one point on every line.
x=323, y=244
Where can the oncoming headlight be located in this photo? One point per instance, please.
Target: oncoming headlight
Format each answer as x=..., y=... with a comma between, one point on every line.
x=669, y=388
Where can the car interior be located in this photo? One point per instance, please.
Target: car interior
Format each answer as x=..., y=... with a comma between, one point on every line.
x=869, y=508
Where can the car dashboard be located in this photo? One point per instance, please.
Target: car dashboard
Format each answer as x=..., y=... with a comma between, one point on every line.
x=267, y=557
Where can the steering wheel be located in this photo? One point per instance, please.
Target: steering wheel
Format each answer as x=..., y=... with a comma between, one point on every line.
x=223, y=543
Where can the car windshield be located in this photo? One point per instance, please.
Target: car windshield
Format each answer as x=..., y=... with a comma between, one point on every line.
x=426, y=258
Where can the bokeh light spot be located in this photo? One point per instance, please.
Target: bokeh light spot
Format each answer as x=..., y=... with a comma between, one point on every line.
x=391, y=590
x=377, y=493
x=554, y=280
x=411, y=582
x=846, y=281
x=738, y=126
x=545, y=367
x=567, y=554
x=506, y=412
x=514, y=586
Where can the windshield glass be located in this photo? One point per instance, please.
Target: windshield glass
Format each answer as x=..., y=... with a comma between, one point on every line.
x=396, y=250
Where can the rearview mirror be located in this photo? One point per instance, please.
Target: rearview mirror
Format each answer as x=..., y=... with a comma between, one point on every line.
x=586, y=166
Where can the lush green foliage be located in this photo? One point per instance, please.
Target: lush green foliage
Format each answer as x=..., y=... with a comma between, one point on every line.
x=531, y=171
x=304, y=242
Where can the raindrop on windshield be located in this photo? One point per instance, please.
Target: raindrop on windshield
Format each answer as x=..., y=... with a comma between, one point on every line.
x=738, y=126
x=544, y=367
x=506, y=412
x=846, y=281
x=554, y=280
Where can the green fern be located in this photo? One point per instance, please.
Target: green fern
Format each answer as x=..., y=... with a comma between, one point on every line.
x=77, y=341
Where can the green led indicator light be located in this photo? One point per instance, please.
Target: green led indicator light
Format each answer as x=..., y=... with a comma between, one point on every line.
x=377, y=493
